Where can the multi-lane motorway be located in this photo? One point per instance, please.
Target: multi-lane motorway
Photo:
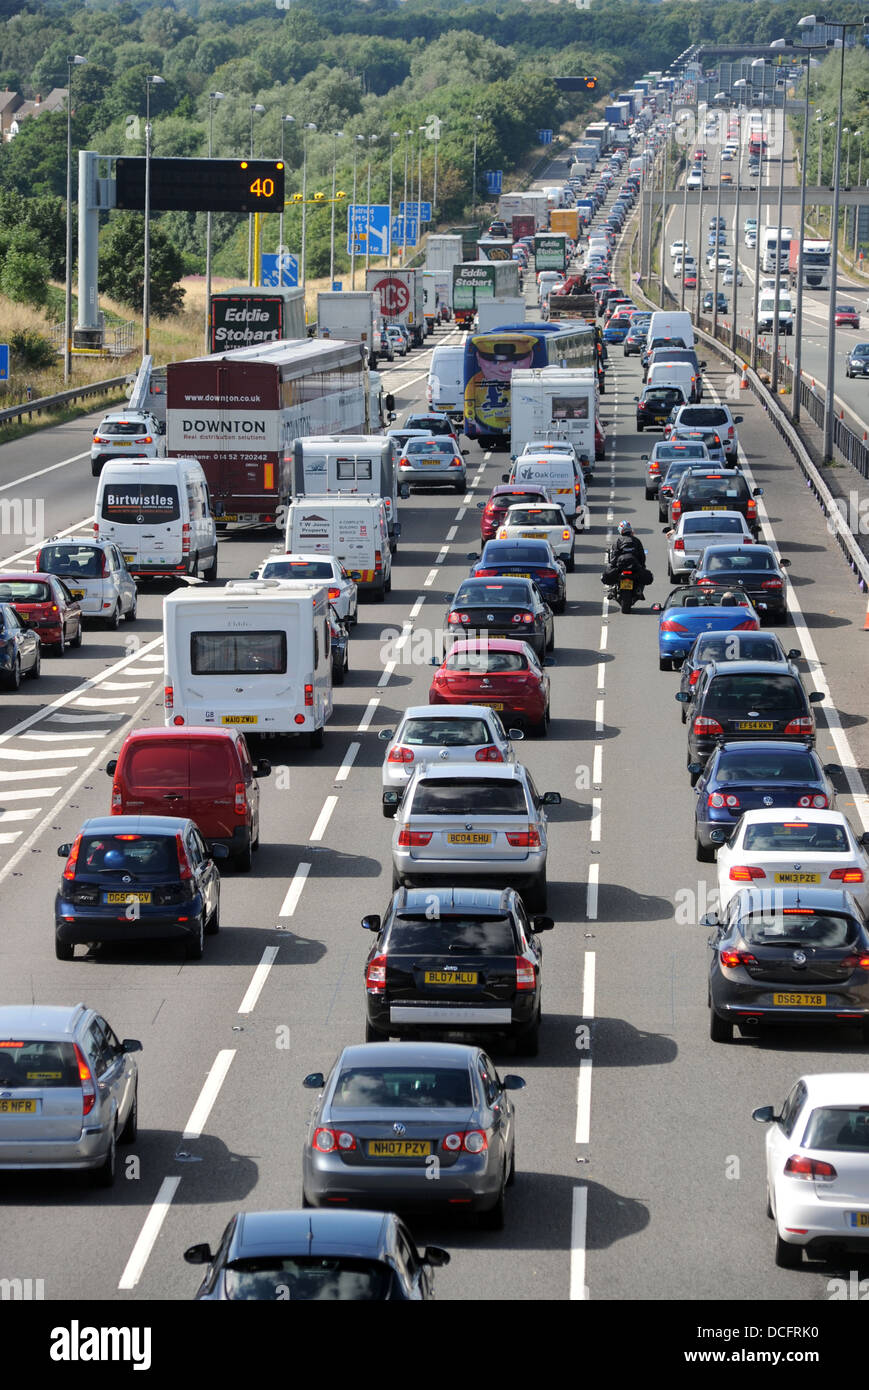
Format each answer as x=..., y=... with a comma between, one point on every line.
x=640, y=1171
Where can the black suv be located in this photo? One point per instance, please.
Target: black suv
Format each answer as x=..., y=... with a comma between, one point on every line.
x=655, y=405
x=443, y=955
x=740, y=700
x=704, y=489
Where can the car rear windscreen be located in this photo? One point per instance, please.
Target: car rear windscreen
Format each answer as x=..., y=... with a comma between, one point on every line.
x=483, y=662
x=703, y=490
x=798, y=927
x=24, y=1064
x=840, y=1128
x=308, y=1279
x=513, y=554
x=460, y=796
x=238, y=653
x=122, y=428
x=72, y=561
x=400, y=1088
x=297, y=569
x=24, y=591
x=536, y=516
x=486, y=936
x=446, y=733
x=505, y=595
x=789, y=837
x=741, y=562
x=130, y=854
x=745, y=695
x=140, y=504
x=703, y=415
x=736, y=646
x=716, y=525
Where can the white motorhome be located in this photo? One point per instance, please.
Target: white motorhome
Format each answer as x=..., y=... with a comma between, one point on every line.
x=559, y=399
x=353, y=529
x=254, y=655
x=361, y=465
x=158, y=513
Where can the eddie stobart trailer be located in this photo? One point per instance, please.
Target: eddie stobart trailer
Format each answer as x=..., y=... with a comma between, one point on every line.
x=252, y=314
x=477, y=280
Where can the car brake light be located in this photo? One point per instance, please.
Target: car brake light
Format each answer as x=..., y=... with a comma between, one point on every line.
x=654, y=467
x=473, y=1141
x=771, y=584
x=117, y=799
x=819, y=801
x=375, y=975
x=326, y=1141
x=184, y=870
x=69, y=871
x=105, y=563
x=731, y=959
x=694, y=677
x=525, y=977
x=168, y=697
x=847, y=875
x=88, y=1089
x=185, y=538
x=523, y=618
x=856, y=962
x=408, y=839
x=240, y=799
x=524, y=839
x=751, y=507
x=707, y=581
x=669, y=625
x=703, y=724
x=484, y=574
x=334, y=594
x=744, y=873
x=489, y=754
x=719, y=799
x=677, y=508
x=803, y=725
x=400, y=754
x=458, y=618
x=309, y=695
x=799, y=1166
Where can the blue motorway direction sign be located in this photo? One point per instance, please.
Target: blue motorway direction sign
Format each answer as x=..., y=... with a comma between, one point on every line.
x=417, y=211
x=493, y=180
x=4, y=361
x=280, y=270
x=369, y=224
x=398, y=236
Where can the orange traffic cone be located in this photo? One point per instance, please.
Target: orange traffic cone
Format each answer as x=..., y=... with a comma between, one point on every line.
x=744, y=379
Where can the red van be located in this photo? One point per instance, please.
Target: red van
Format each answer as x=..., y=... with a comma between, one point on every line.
x=202, y=773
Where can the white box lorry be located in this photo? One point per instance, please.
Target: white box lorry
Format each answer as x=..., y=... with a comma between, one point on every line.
x=498, y=313
x=401, y=299
x=554, y=402
x=353, y=529
x=349, y=316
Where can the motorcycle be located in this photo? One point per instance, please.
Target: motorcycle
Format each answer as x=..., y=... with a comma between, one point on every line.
x=626, y=580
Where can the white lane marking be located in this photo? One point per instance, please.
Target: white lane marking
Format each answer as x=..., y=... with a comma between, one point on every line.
x=487, y=455
x=414, y=612
x=40, y=472
x=601, y=674
x=68, y=531
x=591, y=893
x=609, y=515
x=208, y=1095
x=597, y=765
x=126, y=685
x=147, y=1236
x=406, y=630
x=594, y=823
x=387, y=672
x=349, y=759
x=442, y=554
x=451, y=534
x=324, y=817
x=468, y=498
x=28, y=755
x=598, y=717
x=578, y=1220
x=6, y=775
x=370, y=710
x=603, y=636
x=294, y=892
x=430, y=579
x=583, y=1102
x=460, y=513
x=25, y=795
x=97, y=702
x=260, y=975
x=9, y=837
x=589, y=974
x=92, y=717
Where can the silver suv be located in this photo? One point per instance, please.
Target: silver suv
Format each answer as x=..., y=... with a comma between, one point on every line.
x=68, y=1090
x=126, y=432
x=96, y=574
x=710, y=420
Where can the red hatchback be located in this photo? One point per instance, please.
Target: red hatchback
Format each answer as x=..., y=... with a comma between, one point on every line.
x=45, y=604
x=502, y=497
x=500, y=673
x=201, y=774
x=847, y=316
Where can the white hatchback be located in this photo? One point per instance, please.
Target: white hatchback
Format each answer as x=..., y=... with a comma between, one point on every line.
x=96, y=575
x=441, y=734
x=530, y=521
x=695, y=531
x=326, y=569
x=817, y=1167
x=770, y=849
x=125, y=432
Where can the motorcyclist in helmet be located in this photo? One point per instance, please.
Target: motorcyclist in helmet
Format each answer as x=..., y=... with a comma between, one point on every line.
x=627, y=548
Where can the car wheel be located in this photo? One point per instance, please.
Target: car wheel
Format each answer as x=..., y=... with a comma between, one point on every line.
x=662, y=515
x=195, y=945
x=720, y=1030
x=315, y=738
x=60, y=647
x=64, y=950
x=211, y=573
x=528, y=1039
x=13, y=680
x=380, y=594
x=664, y=663
x=460, y=487
x=132, y=611
x=131, y=1129
x=535, y=895
x=541, y=728
x=243, y=863
x=79, y=633
x=213, y=924
x=305, y=1202
x=114, y=618
x=571, y=563
x=787, y=1256
x=36, y=668
x=550, y=645
x=396, y=881
x=704, y=853
x=560, y=605
x=374, y=1034
x=511, y=1176
x=104, y=1176
x=682, y=715
x=493, y=1219
x=650, y=494
x=694, y=778
x=769, y=1211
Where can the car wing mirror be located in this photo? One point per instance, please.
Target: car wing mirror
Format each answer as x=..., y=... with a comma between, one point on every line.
x=505, y=477
x=314, y=1081
x=110, y=766
x=785, y=564
x=372, y=922
x=435, y=1256
x=220, y=851
x=513, y=1083
x=815, y=697
x=710, y=919
x=131, y=1045
x=864, y=839
x=757, y=492
x=263, y=768
x=198, y=1255
x=720, y=837
x=480, y=506
x=765, y=1114
x=63, y=851
x=551, y=799
x=794, y=654
x=465, y=452
x=254, y=574
x=542, y=924
x=515, y=734
x=385, y=735
x=683, y=696
x=656, y=608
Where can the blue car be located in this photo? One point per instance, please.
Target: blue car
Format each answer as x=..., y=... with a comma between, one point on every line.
x=687, y=612
x=616, y=330
x=20, y=648
x=741, y=777
x=534, y=560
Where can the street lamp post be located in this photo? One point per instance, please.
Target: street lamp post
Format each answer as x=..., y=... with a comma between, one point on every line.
x=477, y=120
x=285, y=121
x=741, y=84
x=697, y=294
x=684, y=220
x=75, y=60
x=255, y=108
x=394, y=135
x=719, y=96
x=664, y=212
x=778, y=43
x=336, y=136
x=434, y=192
x=371, y=140
x=155, y=81
x=309, y=125
x=420, y=130
x=357, y=140
x=809, y=22
x=213, y=97
x=758, y=62
x=859, y=135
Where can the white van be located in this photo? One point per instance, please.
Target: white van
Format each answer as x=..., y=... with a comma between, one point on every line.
x=254, y=655
x=766, y=314
x=671, y=323
x=674, y=374
x=445, y=388
x=359, y=464
x=353, y=529
x=158, y=513
x=562, y=479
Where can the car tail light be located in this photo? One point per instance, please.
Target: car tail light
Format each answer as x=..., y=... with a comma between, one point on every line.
x=326, y=1141
x=523, y=618
x=694, y=677
x=69, y=871
x=820, y=802
x=524, y=839
x=404, y=462
x=744, y=873
x=525, y=976
x=815, y=1169
x=771, y=584
x=309, y=695
x=485, y=574
x=168, y=697
x=677, y=508
x=751, y=507
x=400, y=754
x=88, y=1089
x=410, y=839
x=546, y=574
x=847, y=875
x=670, y=625
x=704, y=724
x=375, y=975
x=719, y=799
x=455, y=463
x=803, y=725
x=240, y=799
x=184, y=870
x=730, y=431
x=489, y=754
x=185, y=538
x=105, y=565
x=378, y=560
x=731, y=959
x=473, y=1141
x=707, y=581
x=334, y=594
x=458, y=618
x=117, y=799
x=750, y=625
x=565, y=535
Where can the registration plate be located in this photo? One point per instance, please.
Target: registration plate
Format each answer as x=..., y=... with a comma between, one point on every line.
x=802, y=1001
x=754, y=724
x=228, y=516
x=519, y=574
x=77, y=593
x=798, y=878
x=858, y=1218
x=461, y=837
x=451, y=977
x=533, y=535
x=490, y=704
x=399, y=1148
x=18, y=1107
x=626, y=583
x=430, y=462
x=713, y=507
x=239, y=718
x=128, y=897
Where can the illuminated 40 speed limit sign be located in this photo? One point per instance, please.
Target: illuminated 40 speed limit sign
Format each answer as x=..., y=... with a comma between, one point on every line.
x=394, y=295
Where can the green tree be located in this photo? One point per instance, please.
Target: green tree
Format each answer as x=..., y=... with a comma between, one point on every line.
x=122, y=265
x=24, y=275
